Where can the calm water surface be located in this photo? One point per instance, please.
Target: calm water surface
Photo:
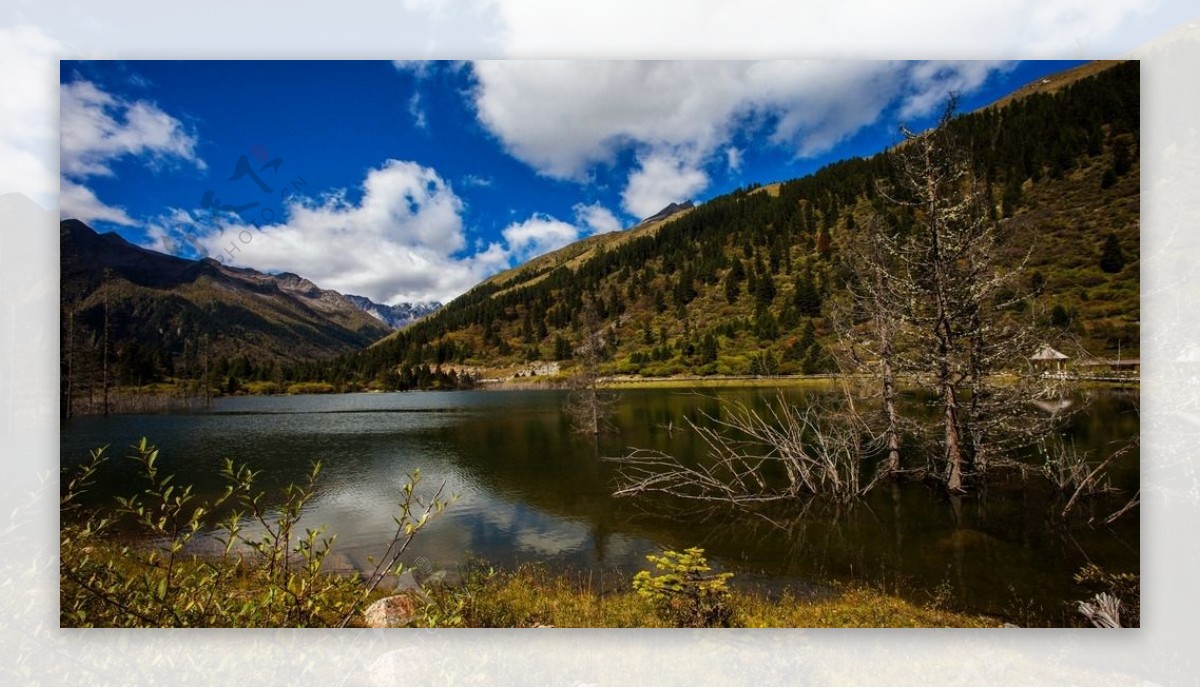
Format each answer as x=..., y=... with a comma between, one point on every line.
x=530, y=490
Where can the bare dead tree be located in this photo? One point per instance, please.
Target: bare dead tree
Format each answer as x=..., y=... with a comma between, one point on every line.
x=1074, y=473
x=937, y=185
x=784, y=453
x=871, y=300
x=588, y=406
x=942, y=305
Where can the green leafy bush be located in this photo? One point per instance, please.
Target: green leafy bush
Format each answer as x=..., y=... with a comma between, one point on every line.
x=140, y=563
x=686, y=592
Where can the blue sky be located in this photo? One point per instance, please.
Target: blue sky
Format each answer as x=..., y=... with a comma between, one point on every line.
x=413, y=181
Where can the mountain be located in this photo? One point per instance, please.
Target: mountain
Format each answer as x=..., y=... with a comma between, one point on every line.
x=395, y=316
x=165, y=316
x=744, y=279
x=672, y=209
x=1054, y=83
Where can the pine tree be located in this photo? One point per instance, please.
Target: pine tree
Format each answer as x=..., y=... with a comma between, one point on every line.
x=805, y=296
x=708, y=349
x=562, y=348
x=732, y=288
x=1112, y=258
x=764, y=292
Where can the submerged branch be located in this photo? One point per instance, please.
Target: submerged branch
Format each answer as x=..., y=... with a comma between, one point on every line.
x=817, y=456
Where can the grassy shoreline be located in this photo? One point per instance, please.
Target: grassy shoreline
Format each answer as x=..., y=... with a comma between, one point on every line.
x=742, y=381
x=533, y=596
x=148, y=399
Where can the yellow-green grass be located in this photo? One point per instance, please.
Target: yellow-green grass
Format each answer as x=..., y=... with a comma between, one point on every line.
x=529, y=596
x=532, y=596
x=816, y=382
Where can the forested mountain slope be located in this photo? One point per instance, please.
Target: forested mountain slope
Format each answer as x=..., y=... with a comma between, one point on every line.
x=741, y=284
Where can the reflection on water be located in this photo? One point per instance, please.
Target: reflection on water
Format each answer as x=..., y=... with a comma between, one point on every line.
x=530, y=490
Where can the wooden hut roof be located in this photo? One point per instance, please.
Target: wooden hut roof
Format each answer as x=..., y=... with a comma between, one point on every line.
x=1046, y=353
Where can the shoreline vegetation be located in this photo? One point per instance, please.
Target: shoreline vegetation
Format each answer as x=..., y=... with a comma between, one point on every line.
x=162, y=557
x=528, y=596
x=167, y=399
x=532, y=596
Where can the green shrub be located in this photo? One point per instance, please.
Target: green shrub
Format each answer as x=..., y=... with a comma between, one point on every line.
x=686, y=592
x=311, y=388
x=262, y=387
x=267, y=574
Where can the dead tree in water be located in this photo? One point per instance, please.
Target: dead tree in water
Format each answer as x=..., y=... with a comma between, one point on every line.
x=782, y=453
x=961, y=329
x=872, y=295
x=588, y=406
x=933, y=299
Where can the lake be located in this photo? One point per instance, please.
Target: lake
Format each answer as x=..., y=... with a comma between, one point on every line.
x=530, y=490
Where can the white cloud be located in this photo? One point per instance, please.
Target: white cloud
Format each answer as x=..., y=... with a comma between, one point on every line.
x=419, y=68
x=659, y=181
x=477, y=181
x=98, y=128
x=78, y=202
x=423, y=69
x=565, y=119
x=417, y=110
x=538, y=235
x=931, y=82
x=597, y=218
x=161, y=240
x=400, y=242
x=733, y=159
x=542, y=233
x=179, y=232
x=818, y=104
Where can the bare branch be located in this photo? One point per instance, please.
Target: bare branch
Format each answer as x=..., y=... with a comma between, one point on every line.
x=817, y=453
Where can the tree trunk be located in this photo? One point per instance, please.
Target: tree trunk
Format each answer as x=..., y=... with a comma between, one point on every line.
x=594, y=402
x=949, y=394
x=979, y=448
x=942, y=329
x=892, y=433
x=953, y=449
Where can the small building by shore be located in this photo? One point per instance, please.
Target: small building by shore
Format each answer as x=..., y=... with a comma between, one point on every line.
x=1049, y=359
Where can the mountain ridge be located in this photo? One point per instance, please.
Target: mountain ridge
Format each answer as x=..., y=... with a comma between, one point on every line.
x=395, y=316
x=161, y=315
